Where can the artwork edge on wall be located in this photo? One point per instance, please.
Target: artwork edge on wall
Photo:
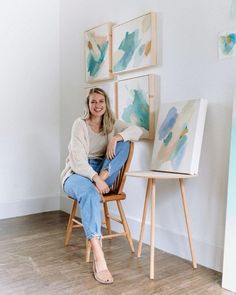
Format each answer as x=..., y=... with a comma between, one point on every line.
x=110, y=75
x=153, y=47
x=151, y=97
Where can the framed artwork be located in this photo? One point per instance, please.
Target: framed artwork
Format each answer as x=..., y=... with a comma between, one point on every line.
x=110, y=89
x=178, y=136
x=135, y=102
x=227, y=44
x=134, y=44
x=228, y=279
x=98, y=53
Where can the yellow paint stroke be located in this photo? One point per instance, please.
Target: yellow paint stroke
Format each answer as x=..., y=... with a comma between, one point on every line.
x=183, y=118
x=147, y=47
x=93, y=42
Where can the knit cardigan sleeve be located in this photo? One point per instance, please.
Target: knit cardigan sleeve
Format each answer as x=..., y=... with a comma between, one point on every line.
x=78, y=150
x=129, y=132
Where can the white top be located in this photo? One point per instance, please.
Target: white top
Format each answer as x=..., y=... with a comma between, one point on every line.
x=97, y=144
x=79, y=146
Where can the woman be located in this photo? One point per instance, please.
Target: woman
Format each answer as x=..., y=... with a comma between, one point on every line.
x=98, y=149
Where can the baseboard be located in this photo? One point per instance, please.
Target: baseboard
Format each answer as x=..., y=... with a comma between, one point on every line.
x=29, y=206
x=171, y=242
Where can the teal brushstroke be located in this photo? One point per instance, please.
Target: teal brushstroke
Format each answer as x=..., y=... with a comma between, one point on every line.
x=168, y=123
x=227, y=43
x=167, y=139
x=233, y=9
x=93, y=64
x=139, y=109
x=128, y=45
x=179, y=151
x=141, y=49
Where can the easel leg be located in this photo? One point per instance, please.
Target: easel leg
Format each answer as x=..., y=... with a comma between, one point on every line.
x=186, y=214
x=152, y=242
x=144, y=218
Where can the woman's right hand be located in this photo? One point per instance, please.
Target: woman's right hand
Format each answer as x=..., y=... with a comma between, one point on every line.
x=101, y=185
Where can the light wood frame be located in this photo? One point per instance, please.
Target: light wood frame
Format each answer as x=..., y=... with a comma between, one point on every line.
x=108, y=57
x=153, y=50
x=151, y=102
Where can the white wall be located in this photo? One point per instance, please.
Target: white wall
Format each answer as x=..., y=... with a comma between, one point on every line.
x=29, y=107
x=188, y=67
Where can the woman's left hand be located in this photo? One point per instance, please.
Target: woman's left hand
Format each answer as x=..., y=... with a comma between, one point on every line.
x=111, y=147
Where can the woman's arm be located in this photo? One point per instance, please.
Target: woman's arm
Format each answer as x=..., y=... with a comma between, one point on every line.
x=128, y=131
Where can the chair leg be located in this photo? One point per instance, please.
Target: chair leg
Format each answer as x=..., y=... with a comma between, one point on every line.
x=107, y=218
x=125, y=225
x=70, y=223
x=88, y=250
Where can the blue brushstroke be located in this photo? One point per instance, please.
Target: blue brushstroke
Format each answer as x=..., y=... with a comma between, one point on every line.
x=138, y=109
x=128, y=45
x=227, y=43
x=93, y=64
x=168, y=123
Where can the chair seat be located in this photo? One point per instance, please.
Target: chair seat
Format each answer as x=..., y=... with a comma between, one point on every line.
x=114, y=197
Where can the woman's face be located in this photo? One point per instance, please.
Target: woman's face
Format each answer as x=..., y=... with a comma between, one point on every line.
x=97, y=104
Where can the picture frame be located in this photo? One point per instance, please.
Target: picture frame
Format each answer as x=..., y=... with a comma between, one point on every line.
x=227, y=44
x=134, y=44
x=98, y=53
x=135, y=102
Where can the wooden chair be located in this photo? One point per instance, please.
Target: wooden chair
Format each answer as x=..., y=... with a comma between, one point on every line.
x=116, y=194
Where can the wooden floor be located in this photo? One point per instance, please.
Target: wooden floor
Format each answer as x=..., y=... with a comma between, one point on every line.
x=33, y=260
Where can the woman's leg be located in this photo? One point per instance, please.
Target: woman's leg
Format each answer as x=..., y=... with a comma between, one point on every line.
x=84, y=191
x=113, y=166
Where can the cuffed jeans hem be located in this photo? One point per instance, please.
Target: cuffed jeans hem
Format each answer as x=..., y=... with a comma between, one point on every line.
x=94, y=236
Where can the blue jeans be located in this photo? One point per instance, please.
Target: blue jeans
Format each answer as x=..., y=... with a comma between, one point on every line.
x=84, y=191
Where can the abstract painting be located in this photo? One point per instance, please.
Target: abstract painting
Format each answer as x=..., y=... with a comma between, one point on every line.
x=227, y=44
x=233, y=9
x=228, y=280
x=134, y=44
x=178, y=136
x=135, y=101
x=98, y=53
x=110, y=89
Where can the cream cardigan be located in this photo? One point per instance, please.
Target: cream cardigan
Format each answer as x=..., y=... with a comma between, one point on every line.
x=77, y=160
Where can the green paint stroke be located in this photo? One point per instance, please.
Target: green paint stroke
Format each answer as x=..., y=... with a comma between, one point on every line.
x=138, y=112
x=94, y=62
x=128, y=45
x=167, y=139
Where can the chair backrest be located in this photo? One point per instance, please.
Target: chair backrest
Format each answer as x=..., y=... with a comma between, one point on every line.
x=118, y=185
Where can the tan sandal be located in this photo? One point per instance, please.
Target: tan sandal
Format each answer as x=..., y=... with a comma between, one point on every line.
x=103, y=277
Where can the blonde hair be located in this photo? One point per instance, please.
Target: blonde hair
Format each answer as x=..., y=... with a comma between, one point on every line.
x=108, y=119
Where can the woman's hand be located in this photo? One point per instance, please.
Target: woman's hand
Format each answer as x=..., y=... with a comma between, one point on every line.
x=101, y=185
x=111, y=147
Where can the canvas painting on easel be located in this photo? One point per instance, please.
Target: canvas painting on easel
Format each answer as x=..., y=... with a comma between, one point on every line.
x=178, y=137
